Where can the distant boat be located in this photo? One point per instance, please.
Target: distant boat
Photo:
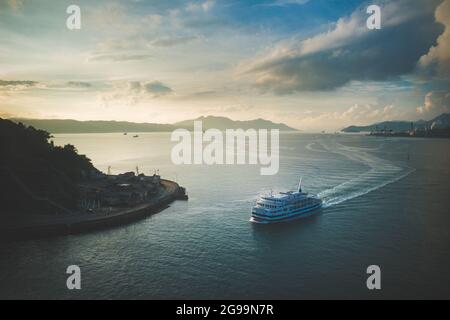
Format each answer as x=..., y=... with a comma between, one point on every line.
x=125, y=133
x=136, y=136
x=284, y=206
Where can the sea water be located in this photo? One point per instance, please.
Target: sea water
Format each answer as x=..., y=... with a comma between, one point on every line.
x=386, y=204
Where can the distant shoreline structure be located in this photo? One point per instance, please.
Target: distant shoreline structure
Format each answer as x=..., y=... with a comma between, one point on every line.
x=436, y=134
x=440, y=133
x=438, y=127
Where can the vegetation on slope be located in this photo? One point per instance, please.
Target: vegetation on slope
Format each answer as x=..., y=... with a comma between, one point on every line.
x=35, y=175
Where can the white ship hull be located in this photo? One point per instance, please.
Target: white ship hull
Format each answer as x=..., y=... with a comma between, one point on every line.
x=285, y=206
x=303, y=213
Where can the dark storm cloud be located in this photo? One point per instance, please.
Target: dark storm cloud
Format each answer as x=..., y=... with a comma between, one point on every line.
x=352, y=52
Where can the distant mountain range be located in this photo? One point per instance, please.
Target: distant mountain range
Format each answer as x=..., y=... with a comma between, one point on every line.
x=223, y=123
x=440, y=122
x=74, y=126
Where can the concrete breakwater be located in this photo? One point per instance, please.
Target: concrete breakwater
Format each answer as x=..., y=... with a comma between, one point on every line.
x=85, y=222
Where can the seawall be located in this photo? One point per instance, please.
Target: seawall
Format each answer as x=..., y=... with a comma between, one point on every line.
x=80, y=223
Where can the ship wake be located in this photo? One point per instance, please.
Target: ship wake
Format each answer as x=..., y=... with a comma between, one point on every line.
x=380, y=173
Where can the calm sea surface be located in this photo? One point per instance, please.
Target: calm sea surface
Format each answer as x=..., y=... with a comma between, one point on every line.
x=381, y=208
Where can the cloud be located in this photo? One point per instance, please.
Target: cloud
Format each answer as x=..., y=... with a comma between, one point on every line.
x=204, y=94
x=15, y=5
x=134, y=86
x=152, y=20
x=20, y=85
x=350, y=51
x=109, y=16
x=204, y=6
x=435, y=103
x=157, y=88
x=357, y=114
x=5, y=114
x=367, y=113
x=120, y=97
x=17, y=83
x=112, y=46
x=133, y=92
x=9, y=88
x=170, y=42
x=438, y=57
x=79, y=84
x=119, y=57
x=288, y=2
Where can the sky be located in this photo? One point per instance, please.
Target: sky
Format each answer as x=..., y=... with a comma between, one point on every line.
x=312, y=64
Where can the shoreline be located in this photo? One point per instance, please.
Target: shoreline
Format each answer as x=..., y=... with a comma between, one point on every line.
x=82, y=223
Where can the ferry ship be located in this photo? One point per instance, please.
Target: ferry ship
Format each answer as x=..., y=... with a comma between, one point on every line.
x=285, y=206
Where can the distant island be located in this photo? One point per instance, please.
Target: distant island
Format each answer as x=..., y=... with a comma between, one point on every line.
x=56, y=126
x=51, y=189
x=436, y=127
